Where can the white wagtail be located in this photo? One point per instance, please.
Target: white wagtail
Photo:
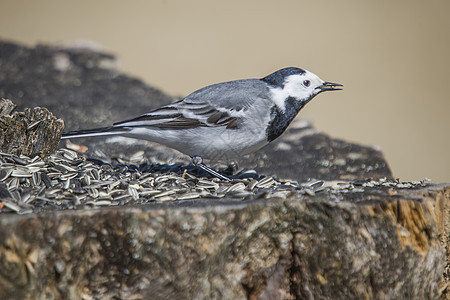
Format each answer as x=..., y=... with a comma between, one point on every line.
x=226, y=120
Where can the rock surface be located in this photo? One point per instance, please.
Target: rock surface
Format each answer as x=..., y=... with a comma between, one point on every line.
x=79, y=85
x=358, y=239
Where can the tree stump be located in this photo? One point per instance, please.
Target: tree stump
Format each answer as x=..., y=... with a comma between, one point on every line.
x=32, y=132
x=106, y=225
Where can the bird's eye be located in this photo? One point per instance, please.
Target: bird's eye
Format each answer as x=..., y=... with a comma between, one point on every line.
x=307, y=83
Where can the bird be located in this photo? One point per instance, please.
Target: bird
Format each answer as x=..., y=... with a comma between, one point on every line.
x=224, y=121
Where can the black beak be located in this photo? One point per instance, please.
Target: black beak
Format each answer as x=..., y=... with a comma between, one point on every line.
x=329, y=86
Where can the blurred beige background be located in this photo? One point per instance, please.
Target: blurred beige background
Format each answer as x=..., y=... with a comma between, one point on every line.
x=392, y=57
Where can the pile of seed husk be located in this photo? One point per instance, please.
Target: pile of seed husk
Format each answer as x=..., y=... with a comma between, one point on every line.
x=68, y=180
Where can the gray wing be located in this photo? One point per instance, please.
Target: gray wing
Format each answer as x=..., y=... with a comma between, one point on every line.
x=223, y=104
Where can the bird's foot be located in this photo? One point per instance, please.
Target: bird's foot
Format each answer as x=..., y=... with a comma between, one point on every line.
x=198, y=162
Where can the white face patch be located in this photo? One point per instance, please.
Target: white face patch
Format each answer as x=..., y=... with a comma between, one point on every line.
x=300, y=87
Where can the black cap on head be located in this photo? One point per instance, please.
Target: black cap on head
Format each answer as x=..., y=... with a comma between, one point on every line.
x=277, y=78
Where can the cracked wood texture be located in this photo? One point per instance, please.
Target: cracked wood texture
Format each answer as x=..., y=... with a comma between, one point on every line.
x=379, y=244
x=31, y=132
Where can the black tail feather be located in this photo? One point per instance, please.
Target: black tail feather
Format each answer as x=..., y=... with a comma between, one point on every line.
x=93, y=132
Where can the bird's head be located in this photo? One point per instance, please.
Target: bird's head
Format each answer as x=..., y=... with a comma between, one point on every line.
x=296, y=83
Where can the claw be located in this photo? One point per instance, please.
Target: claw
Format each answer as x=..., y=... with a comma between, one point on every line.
x=198, y=162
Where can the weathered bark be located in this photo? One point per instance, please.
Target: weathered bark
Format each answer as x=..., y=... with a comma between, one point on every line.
x=32, y=132
x=378, y=244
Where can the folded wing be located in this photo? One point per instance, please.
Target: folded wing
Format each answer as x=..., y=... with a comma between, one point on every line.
x=224, y=104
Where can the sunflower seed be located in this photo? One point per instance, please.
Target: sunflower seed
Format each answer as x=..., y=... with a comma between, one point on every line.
x=102, y=202
x=147, y=192
x=95, y=174
x=188, y=176
x=161, y=179
x=19, y=160
x=25, y=211
x=236, y=187
x=27, y=198
x=320, y=189
x=53, y=174
x=122, y=197
x=252, y=184
x=11, y=205
x=46, y=179
x=86, y=179
x=33, y=169
x=166, y=193
x=33, y=125
x=21, y=173
x=266, y=182
x=93, y=192
x=100, y=183
x=207, y=184
x=13, y=184
x=315, y=184
x=216, y=195
x=104, y=195
x=4, y=173
x=68, y=176
x=133, y=192
x=16, y=196
x=44, y=199
x=188, y=196
x=309, y=192
x=166, y=198
x=87, y=165
x=69, y=154
x=147, y=178
x=65, y=168
x=67, y=184
x=92, y=186
x=247, y=172
x=53, y=191
x=35, y=159
x=111, y=186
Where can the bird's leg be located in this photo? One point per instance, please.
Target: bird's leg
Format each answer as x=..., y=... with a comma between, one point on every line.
x=198, y=162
